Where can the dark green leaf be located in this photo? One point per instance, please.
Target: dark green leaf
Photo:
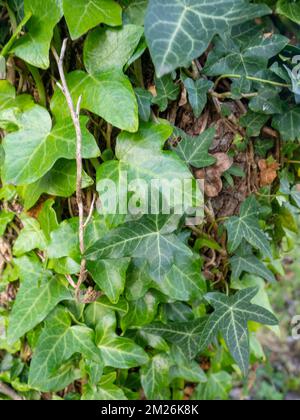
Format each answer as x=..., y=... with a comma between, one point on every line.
x=194, y=150
x=179, y=32
x=230, y=318
x=197, y=92
x=246, y=227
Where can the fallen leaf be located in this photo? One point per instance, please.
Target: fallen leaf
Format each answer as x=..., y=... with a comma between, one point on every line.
x=268, y=172
x=183, y=98
x=212, y=175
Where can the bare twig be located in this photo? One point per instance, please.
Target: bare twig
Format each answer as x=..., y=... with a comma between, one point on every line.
x=75, y=112
x=6, y=390
x=70, y=280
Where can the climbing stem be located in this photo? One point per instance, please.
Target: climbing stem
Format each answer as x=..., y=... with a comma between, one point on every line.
x=39, y=84
x=6, y=49
x=252, y=78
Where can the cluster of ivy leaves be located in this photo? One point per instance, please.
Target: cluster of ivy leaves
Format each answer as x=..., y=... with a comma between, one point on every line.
x=160, y=326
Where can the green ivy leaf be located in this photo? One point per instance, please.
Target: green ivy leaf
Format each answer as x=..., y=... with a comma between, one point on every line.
x=184, y=281
x=155, y=378
x=110, y=276
x=34, y=46
x=99, y=309
x=185, y=368
x=108, y=49
x=245, y=261
x=197, y=92
x=230, y=318
x=179, y=32
x=194, y=150
x=7, y=95
x=39, y=293
x=166, y=90
x=290, y=9
x=106, y=390
x=141, y=311
x=253, y=122
x=5, y=218
x=109, y=95
x=57, y=343
x=138, y=281
x=134, y=11
x=86, y=14
x=246, y=227
x=144, y=99
x=288, y=124
x=152, y=238
x=133, y=151
x=64, y=241
x=32, y=151
x=121, y=352
x=245, y=58
x=218, y=387
x=185, y=335
x=47, y=218
x=267, y=102
x=60, y=181
x=31, y=237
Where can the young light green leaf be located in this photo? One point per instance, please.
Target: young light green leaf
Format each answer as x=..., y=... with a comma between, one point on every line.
x=7, y=95
x=218, y=387
x=194, y=150
x=290, y=9
x=32, y=151
x=47, y=218
x=64, y=240
x=5, y=218
x=108, y=49
x=246, y=227
x=39, y=293
x=34, y=46
x=106, y=390
x=60, y=181
x=186, y=369
x=86, y=14
x=103, y=306
x=178, y=32
x=230, y=318
x=110, y=276
x=151, y=238
x=109, y=95
x=197, y=92
x=121, y=352
x=141, y=311
x=155, y=378
x=31, y=237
